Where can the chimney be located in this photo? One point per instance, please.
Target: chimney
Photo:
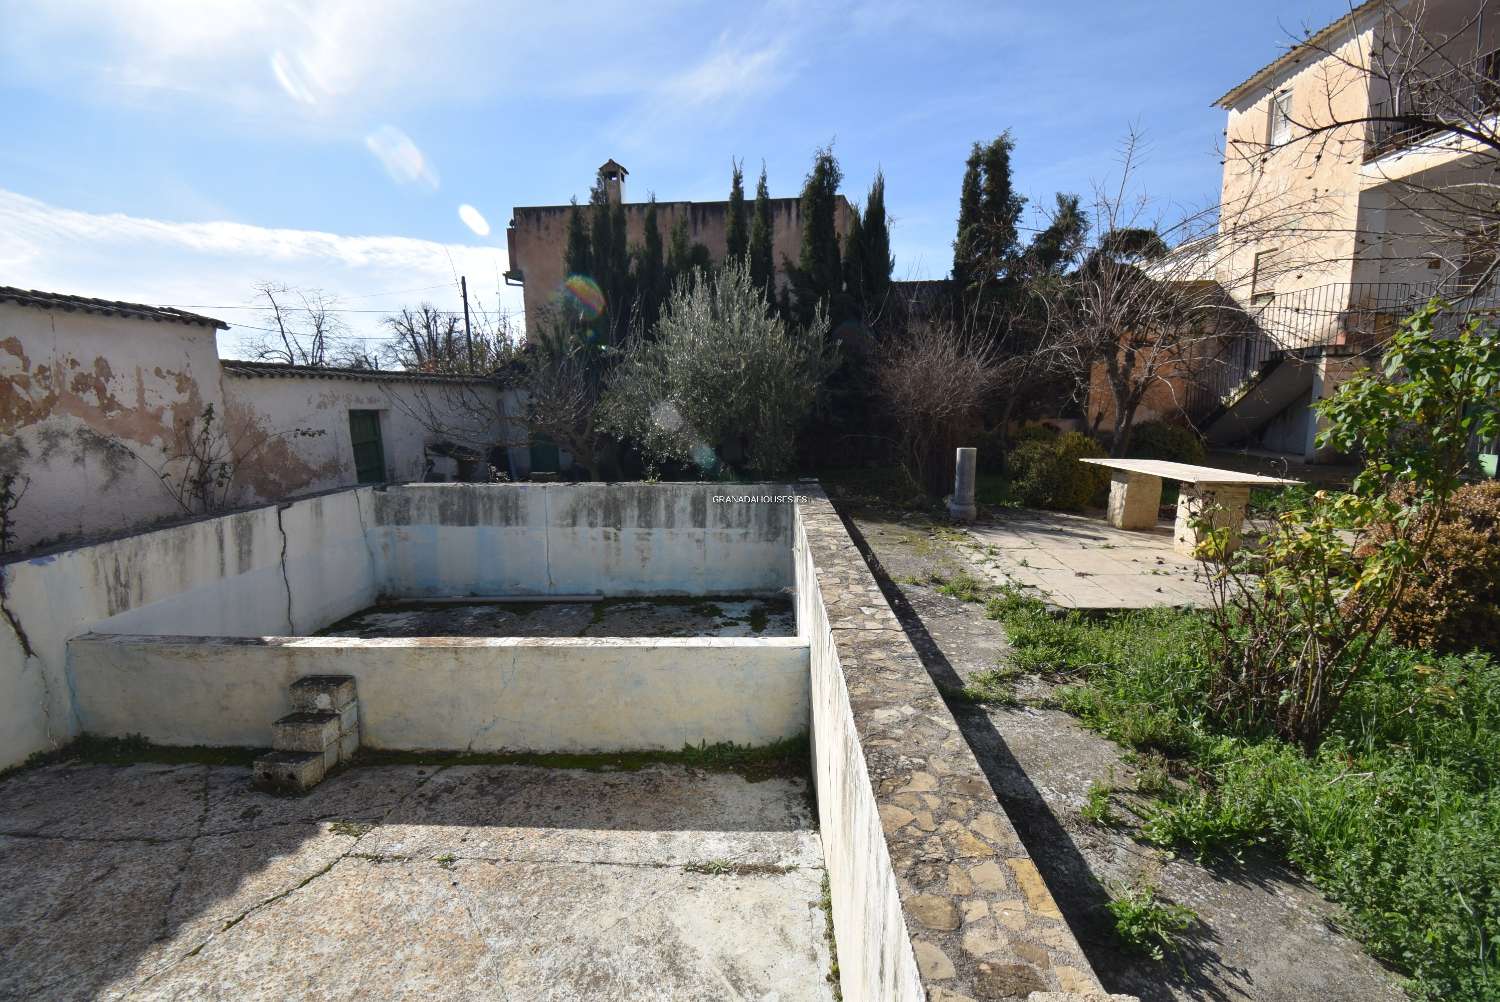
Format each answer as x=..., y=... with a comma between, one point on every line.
x=613, y=176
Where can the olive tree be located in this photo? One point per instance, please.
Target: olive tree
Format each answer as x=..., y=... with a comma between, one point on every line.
x=723, y=381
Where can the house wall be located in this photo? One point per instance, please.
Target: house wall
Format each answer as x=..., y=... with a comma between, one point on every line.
x=453, y=693
x=91, y=407
x=291, y=568
x=294, y=428
x=1301, y=200
x=538, y=237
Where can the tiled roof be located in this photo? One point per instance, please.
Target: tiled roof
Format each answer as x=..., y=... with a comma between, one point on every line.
x=104, y=307
x=271, y=370
x=1290, y=55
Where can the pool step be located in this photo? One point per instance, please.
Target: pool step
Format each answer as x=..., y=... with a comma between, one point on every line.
x=321, y=731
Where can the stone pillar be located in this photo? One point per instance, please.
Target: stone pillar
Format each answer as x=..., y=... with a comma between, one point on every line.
x=1200, y=509
x=961, y=504
x=1134, y=500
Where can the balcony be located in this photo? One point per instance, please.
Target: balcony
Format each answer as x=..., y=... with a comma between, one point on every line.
x=1426, y=106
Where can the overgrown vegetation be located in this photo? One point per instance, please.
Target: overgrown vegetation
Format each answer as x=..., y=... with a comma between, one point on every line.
x=1147, y=924
x=1394, y=815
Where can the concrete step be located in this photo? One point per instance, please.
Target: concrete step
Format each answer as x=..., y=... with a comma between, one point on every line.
x=290, y=772
x=314, y=731
x=311, y=693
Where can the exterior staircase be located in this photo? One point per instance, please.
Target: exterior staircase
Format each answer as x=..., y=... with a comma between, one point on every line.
x=321, y=731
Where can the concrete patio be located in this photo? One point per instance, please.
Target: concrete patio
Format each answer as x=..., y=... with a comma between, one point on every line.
x=1082, y=562
x=406, y=882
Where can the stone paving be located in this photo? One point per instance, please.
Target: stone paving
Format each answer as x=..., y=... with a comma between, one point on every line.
x=1082, y=562
x=409, y=882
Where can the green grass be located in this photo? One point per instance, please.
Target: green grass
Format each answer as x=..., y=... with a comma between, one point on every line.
x=1147, y=924
x=965, y=587
x=1396, y=816
x=1096, y=810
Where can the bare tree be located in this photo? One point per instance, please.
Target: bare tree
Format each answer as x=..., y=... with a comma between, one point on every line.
x=1157, y=309
x=303, y=328
x=935, y=381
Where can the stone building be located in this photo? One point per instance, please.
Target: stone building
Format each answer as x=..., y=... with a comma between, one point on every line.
x=538, y=235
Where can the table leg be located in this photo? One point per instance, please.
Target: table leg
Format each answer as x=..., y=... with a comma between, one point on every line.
x=1201, y=510
x=1134, y=500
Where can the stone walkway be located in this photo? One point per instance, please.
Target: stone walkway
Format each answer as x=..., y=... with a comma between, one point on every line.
x=409, y=882
x=1083, y=562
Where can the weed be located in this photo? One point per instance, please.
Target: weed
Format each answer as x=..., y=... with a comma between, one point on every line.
x=1147, y=924
x=758, y=619
x=826, y=903
x=446, y=860
x=1096, y=809
x=1152, y=777
x=353, y=829
x=965, y=587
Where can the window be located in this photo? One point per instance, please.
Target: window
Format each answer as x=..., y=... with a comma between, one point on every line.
x=1281, y=117
x=1263, y=278
x=369, y=451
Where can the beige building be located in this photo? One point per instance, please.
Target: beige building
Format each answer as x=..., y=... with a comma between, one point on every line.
x=538, y=235
x=1328, y=232
x=104, y=404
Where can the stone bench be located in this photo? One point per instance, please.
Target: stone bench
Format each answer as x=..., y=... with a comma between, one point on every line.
x=1209, y=499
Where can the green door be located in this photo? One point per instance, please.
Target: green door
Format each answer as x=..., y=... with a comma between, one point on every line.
x=369, y=453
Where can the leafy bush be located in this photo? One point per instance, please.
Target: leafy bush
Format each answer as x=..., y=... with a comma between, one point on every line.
x=1453, y=603
x=1046, y=472
x=1171, y=442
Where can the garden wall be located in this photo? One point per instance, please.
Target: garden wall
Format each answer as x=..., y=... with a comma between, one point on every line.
x=455, y=693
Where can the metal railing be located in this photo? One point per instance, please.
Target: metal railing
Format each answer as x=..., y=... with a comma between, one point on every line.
x=1419, y=108
x=1346, y=318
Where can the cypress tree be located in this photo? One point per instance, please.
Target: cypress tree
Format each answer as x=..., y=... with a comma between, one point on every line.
x=875, y=251
x=677, y=249
x=854, y=261
x=576, y=257
x=736, y=233
x=761, y=266
x=651, y=268
x=819, y=274
x=989, y=212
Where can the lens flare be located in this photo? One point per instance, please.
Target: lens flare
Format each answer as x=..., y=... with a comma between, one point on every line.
x=584, y=294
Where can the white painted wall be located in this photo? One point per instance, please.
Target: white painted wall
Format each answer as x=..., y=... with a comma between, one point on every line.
x=466, y=693
x=295, y=427
x=568, y=539
x=90, y=407
x=293, y=568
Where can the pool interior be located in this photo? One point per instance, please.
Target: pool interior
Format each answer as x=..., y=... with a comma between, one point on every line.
x=712, y=616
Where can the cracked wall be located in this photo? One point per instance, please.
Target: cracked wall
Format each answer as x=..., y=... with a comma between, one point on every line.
x=90, y=409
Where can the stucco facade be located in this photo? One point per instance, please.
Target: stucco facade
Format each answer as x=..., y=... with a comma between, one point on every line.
x=93, y=402
x=538, y=236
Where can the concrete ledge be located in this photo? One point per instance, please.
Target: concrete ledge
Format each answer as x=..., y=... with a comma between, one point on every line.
x=934, y=896
x=451, y=693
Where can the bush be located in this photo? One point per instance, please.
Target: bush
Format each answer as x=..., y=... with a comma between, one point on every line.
x=1454, y=603
x=1046, y=473
x=1173, y=443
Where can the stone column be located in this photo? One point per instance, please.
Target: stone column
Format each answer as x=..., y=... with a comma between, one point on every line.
x=961, y=504
x=1201, y=509
x=1134, y=500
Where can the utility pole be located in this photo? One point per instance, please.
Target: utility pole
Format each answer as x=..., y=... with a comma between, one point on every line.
x=463, y=285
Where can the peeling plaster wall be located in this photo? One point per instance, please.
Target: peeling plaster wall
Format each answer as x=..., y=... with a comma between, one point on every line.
x=453, y=693
x=88, y=406
x=283, y=569
x=295, y=428
x=569, y=539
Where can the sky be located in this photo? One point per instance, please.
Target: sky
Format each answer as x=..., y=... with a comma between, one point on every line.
x=179, y=152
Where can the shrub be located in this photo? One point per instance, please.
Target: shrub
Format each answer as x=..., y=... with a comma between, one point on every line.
x=1453, y=603
x=1159, y=440
x=1046, y=473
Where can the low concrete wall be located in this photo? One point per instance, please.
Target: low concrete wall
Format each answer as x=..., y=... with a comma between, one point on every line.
x=280, y=569
x=934, y=896
x=472, y=694
x=564, y=539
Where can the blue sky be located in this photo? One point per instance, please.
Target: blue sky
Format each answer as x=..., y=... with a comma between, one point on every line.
x=180, y=151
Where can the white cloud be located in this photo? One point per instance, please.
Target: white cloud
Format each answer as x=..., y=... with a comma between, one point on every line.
x=217, y=264
x=403, y=159
x=474, y=220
